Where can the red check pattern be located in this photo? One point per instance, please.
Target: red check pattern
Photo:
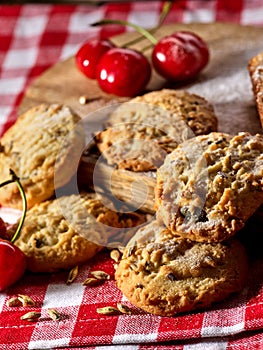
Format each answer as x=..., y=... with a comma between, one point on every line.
x=32, y=38
x=235, y=322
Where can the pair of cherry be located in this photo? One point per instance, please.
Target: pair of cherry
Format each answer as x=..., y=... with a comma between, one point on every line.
x=123, y=71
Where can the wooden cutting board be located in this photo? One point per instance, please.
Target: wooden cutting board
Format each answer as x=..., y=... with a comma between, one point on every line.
x=225, y=83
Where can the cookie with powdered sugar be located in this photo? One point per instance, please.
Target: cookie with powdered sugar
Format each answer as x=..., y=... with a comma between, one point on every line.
x=210, y=185
x=40, y=148
x=164, y=274
x=67, y=231
x=145, y=129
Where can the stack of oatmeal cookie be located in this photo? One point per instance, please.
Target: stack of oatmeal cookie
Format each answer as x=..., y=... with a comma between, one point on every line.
x=62, y=228
x=209, y=184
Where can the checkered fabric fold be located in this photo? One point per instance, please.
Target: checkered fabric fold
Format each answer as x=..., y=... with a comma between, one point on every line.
x=33, y=38
x=238, y=320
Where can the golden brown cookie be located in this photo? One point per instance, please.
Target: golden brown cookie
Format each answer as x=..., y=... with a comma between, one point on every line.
x=165, y=275
x=195, y=110
x=210, y=185
x=145, y=129
x=64, y=232
x=42, y=148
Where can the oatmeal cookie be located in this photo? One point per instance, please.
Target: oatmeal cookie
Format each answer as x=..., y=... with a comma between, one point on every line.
x=40, y=148
x=198, y=113
x=67, y=231
x=210, y=185
x=165, y=274
x=144, y=130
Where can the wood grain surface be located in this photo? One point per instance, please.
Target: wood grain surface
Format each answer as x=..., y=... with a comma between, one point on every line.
x=224, y=82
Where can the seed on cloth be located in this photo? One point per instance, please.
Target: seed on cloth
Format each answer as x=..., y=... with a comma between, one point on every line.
x=26, y=300
x=31, y=316
x=108, y=310
x=14, y=301
x=73, y=273
x=124, y=309
x=90, y=281
x=54, y=314
x=100, y=275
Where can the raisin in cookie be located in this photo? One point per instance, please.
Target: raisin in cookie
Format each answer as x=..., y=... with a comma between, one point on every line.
x=67, y=231
x=144, y=130
x=41, y=148
x=210, y=185
x=165, y=275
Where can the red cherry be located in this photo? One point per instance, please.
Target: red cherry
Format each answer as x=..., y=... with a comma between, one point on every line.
x=12, y=264
x=4, y=234
x=2, y=228
x=123, y=72
x=89, y=54
x=180, y=56
x=12, y=259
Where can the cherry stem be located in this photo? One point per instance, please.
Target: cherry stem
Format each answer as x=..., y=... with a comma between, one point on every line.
x=165, y=10
x=15, y=178
x=140, y=38
x=148, y=47
x=139, y=29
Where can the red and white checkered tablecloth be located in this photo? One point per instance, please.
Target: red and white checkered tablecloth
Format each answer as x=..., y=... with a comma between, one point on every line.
x=32, y=38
